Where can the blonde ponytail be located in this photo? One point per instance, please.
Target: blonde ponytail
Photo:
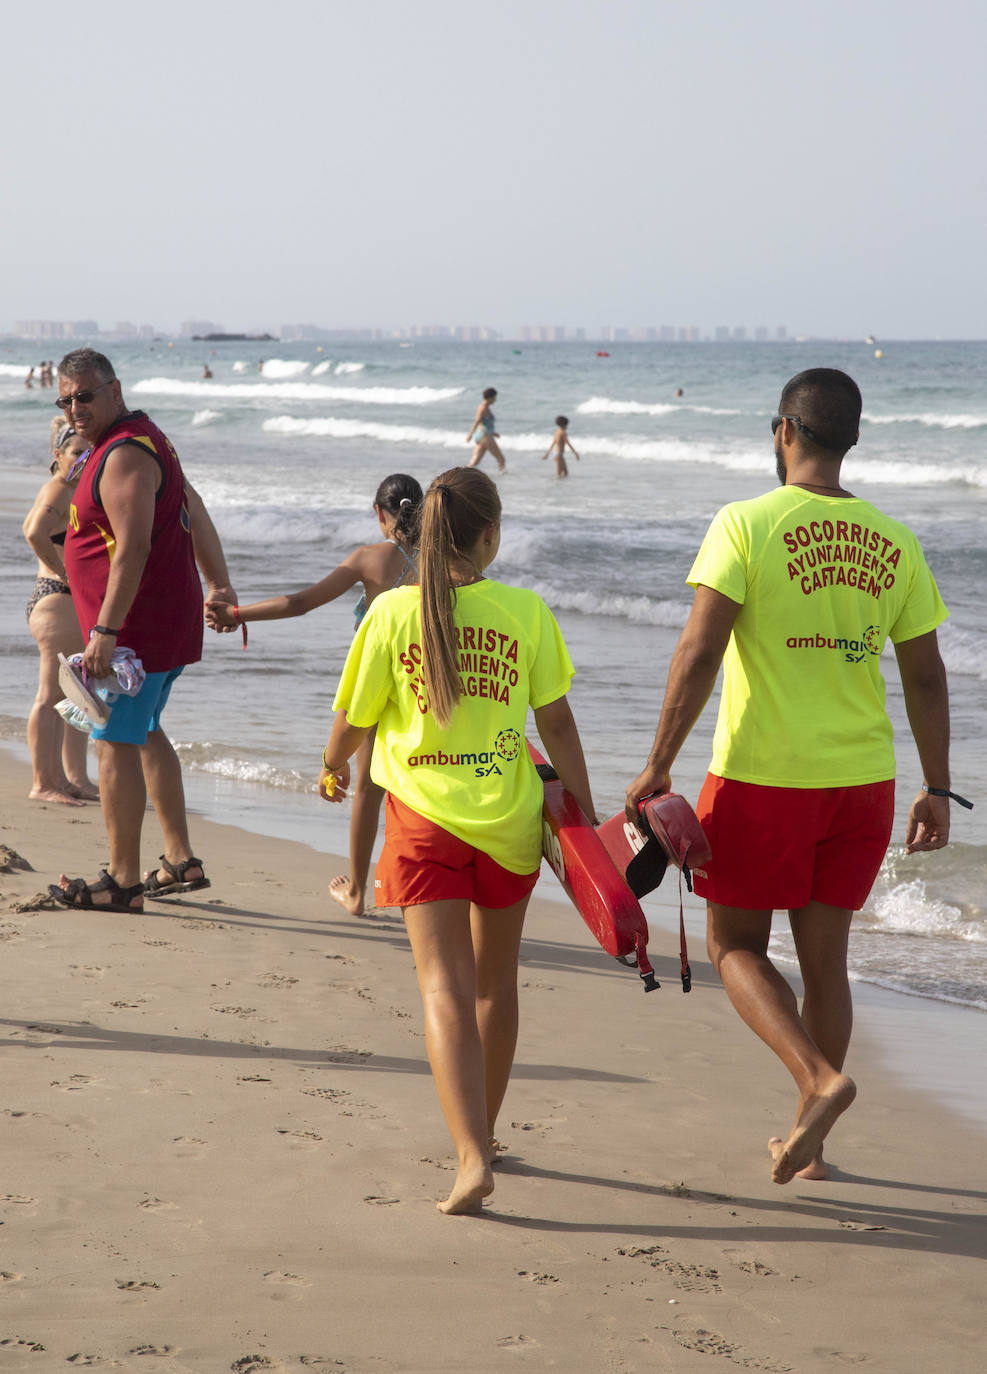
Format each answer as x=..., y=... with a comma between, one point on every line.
x=457, y=507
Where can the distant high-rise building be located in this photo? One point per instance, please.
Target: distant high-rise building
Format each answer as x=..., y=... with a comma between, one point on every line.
x=188, y=328
x=761, y=333
x=781, y=332
x=722, y=333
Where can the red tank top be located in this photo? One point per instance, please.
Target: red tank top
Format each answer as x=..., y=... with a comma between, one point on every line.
x=164, y=624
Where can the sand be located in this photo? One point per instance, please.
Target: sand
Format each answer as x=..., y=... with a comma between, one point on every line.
x=222, y=1149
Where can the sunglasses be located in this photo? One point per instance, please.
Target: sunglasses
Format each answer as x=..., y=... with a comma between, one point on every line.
x=803, y=429
x=81, y=398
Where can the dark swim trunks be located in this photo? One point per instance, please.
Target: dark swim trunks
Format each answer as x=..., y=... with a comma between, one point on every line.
x=46, y=586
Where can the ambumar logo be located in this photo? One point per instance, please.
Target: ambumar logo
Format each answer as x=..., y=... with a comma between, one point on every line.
x=507, y=747
x=853, y=650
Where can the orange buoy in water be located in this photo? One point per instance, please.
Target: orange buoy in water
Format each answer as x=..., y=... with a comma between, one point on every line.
x=603, y=355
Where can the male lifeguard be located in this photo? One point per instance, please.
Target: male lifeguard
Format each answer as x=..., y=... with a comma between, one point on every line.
x=796, y=592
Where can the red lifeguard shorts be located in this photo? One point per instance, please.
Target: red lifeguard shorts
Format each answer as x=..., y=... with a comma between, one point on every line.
x=778, y=848
x=421, y=862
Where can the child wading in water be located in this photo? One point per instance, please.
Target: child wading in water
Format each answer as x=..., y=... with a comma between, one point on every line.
x=379, y=567
x=446, y=671
x=558, y=446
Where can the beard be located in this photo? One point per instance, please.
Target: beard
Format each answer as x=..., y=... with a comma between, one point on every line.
x=780, y=465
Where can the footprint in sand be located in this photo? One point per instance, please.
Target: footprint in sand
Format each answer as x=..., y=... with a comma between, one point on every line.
x=536, y=1278
x=712, y=1343
x=76, y=1082
x=277, y=980
x=287, y=1287
x=236, y=1011
x=328, y=1094
x=18, y=1342
x=83, y=1361
x=381, y=1201
x=300, y=1139
x=19, y=1198
x=135, y=1285
x=747, y=1264
x=10, y=1276
x=258, y=1364
x=155, y=1204
x=190, y=1146
x=339, y=1054
x=152, y=1350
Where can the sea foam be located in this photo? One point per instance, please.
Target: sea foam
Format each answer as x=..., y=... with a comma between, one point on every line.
x=295, y=391
x=283, y=368
x=931, y=419
x=603, y=405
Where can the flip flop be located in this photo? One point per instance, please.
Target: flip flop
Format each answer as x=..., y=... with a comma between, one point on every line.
x=78, y=895
x=178, y=882
x=71, y=682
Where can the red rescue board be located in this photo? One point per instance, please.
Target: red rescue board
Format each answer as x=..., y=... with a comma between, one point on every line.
x=588, y=875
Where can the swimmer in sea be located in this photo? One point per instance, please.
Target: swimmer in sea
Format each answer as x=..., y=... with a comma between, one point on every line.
x=558, y=446
x=484, y=432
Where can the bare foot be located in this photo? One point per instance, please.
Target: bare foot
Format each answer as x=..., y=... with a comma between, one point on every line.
x=497, y=1150
x=348, y=896
x=86, y=790
x=815, y=1121
x=816, y=1170
x=471, y=1187
x=52, y=794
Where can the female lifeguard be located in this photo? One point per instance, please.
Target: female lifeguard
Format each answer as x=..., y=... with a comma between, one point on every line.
x=446, y=672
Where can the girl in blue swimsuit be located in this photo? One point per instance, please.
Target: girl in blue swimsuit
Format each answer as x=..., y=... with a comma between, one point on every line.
x=379, y=567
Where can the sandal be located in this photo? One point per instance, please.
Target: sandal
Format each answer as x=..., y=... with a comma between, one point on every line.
x=177, y=881
x=78, y=894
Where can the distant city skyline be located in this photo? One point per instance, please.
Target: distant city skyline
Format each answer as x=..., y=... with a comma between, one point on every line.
x=80, y=331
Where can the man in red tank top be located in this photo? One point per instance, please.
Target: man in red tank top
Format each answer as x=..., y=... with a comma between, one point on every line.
x=137, y=530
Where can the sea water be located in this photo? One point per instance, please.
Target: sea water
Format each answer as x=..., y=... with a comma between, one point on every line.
x=288, y=457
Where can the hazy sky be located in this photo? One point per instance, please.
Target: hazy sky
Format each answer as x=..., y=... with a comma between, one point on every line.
x=562, y=161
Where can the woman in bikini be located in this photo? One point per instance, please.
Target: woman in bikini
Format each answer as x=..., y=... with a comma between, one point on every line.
x=58, y=752
x=485, y=433
x=444, y=672
x=379, y=567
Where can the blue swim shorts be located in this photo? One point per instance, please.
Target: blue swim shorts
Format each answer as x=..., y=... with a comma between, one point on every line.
x=132, y=719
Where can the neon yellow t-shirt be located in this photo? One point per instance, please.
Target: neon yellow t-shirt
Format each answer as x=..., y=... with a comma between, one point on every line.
x=823, y=582
x=475, y=777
